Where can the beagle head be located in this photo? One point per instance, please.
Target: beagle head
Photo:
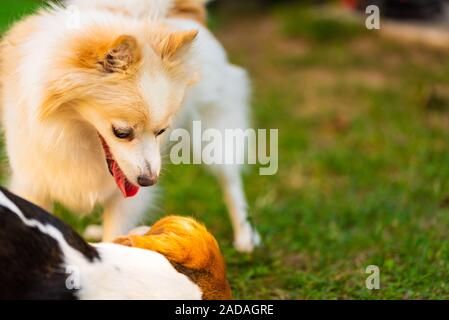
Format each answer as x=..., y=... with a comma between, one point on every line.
x=191, y=249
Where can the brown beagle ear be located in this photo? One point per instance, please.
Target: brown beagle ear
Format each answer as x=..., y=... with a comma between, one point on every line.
x=191, y=249
x=176, y=43
x=124, y=241
x=121, y=55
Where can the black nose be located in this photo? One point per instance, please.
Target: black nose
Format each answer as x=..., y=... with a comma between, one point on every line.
x=146, y=181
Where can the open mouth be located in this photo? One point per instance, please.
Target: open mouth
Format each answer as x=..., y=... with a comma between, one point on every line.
x=126, y=187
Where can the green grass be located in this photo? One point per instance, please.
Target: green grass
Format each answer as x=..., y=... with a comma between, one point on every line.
x=307, y=22
x=363, y=170
x=11, y=10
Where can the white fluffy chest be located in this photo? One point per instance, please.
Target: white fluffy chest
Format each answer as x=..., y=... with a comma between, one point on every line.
x=65, y=163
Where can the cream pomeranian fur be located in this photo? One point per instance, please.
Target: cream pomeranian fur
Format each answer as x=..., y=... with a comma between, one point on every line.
x=122, y=74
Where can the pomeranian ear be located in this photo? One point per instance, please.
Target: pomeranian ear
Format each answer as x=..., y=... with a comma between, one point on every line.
x=94, y=51
x=176, y=43
x=120, y=56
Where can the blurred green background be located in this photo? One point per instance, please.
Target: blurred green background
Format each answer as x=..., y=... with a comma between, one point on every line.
x=364, y=164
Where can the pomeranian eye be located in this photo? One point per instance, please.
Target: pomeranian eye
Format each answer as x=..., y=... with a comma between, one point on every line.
x=123, y=133
x=160, y=132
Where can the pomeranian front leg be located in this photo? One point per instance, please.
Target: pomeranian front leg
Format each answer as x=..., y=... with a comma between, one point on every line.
x=123, y=214
x=22, y=187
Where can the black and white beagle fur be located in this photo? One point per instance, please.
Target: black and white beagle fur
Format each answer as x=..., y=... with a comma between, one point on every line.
x=43, y=258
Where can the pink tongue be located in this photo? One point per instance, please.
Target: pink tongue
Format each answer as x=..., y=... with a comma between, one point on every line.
x=127, y=188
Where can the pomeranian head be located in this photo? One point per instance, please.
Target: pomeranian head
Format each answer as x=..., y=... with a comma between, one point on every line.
x=191, y=249
x=127, y=83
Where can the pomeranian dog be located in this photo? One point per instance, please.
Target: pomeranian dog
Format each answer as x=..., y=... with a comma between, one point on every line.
x=88, y=91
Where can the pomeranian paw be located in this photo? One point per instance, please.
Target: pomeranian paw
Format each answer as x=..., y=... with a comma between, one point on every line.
x=93, y=232
x=139, y=231
x=247, y=239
